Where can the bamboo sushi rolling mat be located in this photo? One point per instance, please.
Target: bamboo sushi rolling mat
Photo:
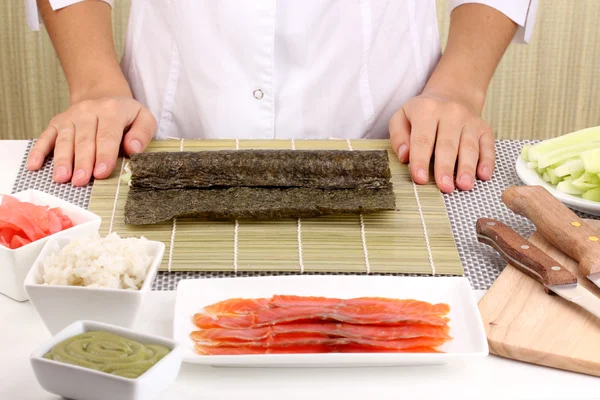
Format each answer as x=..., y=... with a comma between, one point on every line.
x=416, y=238
x=481, y=264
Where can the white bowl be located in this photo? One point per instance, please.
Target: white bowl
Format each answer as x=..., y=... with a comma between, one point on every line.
x=74, y=382
x=59, y=306
x=14, y=264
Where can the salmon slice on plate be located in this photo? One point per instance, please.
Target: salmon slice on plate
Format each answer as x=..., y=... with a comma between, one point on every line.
x=364, y=315
x=326, y=329
x=305, y=324
x=227, y=351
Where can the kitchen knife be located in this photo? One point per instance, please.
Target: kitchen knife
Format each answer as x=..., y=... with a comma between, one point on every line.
x=559, y=225
x=529, y=259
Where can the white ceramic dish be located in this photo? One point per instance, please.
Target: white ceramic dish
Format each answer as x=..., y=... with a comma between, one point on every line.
x=15, y=264
x=531, y=178
x=466, y=326
x=59, y=306
x=74, y=382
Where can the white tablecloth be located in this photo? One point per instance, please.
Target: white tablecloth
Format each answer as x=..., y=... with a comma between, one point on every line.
x=493, y=377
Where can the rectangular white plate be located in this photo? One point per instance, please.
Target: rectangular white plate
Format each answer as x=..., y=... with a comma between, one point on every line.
x=466, y=326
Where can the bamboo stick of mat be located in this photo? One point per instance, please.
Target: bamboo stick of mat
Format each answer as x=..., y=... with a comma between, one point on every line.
x=411, y=239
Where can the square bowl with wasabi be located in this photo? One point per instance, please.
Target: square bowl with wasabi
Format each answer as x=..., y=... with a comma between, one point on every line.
x=88, y=360
x=104, y=279
x=567, y=166
x=28, y=220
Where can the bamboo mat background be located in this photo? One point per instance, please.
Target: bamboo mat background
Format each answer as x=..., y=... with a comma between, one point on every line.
x=395, y=240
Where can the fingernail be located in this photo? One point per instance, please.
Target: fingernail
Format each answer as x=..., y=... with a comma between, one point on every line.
x=101, y=168
x=486, y=172
x=61, y=171
x=446, y=180
x=79, y=174
x=466, y=178
x=402, y=151
x=421, y=173
x=136, y=146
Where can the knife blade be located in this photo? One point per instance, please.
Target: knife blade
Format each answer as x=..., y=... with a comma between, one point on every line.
x=559, y=225
x=529, y=259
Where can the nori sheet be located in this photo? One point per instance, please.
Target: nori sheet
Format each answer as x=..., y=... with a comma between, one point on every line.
x=147, y=206
x=325, y=169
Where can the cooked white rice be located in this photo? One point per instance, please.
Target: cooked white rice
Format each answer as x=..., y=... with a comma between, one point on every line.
x=110, y=262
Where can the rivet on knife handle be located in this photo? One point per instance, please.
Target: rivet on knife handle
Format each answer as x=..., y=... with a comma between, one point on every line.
x=557, y=223
x=522, y=254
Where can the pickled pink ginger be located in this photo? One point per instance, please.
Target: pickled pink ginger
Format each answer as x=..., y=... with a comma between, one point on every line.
x=22, y=223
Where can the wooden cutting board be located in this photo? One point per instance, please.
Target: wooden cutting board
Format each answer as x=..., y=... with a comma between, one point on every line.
x=524, y=323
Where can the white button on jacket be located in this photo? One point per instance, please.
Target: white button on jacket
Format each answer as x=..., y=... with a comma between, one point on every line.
x=266, y=69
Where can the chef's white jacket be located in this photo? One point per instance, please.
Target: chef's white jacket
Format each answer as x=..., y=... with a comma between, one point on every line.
x=266, y=69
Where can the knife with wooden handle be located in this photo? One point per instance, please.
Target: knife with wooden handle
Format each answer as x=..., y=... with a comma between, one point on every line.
x=529, y=259
x=559, y=225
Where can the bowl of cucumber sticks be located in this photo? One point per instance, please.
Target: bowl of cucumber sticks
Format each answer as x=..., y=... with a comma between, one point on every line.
x=567, y=166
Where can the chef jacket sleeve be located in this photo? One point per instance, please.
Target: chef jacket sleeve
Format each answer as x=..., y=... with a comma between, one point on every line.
x=522, y=12
x=33, y=15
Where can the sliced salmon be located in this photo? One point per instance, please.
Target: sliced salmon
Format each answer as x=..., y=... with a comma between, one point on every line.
x=363, y=315
x=205, y=321
x=400, y=305
x=251, y=334
x=236, y=306
x=304, y=301
x=244, y=306
x=241, y=350
x=326, y=330
x=228, y=351
x=388, y=332
x=283, y=341
x=296, y=324
x=351, y=348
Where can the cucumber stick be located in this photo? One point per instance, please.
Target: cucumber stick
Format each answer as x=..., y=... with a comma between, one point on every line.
x=570, y=162
x=568, y=188
x=525, y=152
x=587, y=181
x=546, y=177
x=592, y=195
x=565, y=153
x=582, y=136
x=591, y=160
x=554, y=179
x=570, y=167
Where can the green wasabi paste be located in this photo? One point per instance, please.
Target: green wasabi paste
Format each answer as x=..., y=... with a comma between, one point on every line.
x=107, y=352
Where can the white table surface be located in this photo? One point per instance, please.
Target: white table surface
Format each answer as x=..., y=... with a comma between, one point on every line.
x=493, y=377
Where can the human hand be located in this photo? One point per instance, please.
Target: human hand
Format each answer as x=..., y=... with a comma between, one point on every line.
x=452, y=125
x=86, y=138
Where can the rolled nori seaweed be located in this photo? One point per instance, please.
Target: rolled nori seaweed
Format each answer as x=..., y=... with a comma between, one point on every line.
x=147, y=206
x=324, y=169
